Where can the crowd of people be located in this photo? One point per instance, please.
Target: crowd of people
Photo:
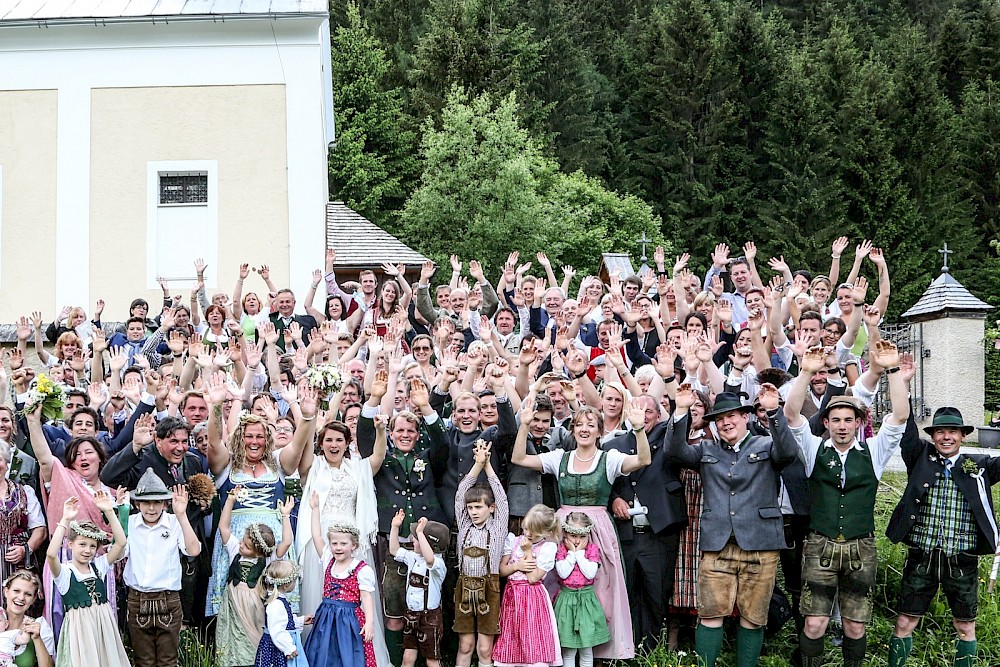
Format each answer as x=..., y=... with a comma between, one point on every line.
x=537, y=471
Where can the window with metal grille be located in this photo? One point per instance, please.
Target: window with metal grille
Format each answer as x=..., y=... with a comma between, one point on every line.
x=187, y=188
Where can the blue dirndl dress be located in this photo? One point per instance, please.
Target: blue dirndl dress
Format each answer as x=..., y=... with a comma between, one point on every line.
x=269, y=655
x=335, y=640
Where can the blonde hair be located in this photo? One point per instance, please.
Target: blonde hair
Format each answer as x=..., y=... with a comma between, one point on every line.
x=239, y=449
x=626, y=402
x=261, y=537
x=577, y=523
x=277, y=575
x=541, y=521
x=25, y=575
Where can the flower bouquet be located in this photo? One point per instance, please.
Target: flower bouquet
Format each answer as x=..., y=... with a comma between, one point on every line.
x=326, y=380
x=50, y=395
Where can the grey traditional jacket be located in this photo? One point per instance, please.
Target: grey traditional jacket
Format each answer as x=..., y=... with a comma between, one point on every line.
x=740, y=488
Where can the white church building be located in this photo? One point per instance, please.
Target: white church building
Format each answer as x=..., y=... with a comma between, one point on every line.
x=137, y=135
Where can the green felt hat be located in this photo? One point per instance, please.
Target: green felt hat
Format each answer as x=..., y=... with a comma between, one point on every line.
x=727, y=402
x=948, y=418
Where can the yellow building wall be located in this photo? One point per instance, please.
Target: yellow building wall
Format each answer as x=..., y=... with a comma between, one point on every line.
x=28, y=122
x=242, y=128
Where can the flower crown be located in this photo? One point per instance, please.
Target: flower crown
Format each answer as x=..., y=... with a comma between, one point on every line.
x=576, y=530
x=80, y=530
x=281, y=581
x=344, y=527
x=258, y=540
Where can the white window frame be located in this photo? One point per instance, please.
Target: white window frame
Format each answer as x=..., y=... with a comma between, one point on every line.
x=208, y=246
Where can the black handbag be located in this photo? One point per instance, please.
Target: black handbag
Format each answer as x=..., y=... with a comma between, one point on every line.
x=779, y=612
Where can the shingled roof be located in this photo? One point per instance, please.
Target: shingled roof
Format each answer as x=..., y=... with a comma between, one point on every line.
x=946, y=295
x=360, y=243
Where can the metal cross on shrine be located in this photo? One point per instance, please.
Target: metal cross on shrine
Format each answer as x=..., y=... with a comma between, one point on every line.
x=945, y=252
x=643, y=241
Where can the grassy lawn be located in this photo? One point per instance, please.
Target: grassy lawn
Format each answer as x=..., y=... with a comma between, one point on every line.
x=934, y=640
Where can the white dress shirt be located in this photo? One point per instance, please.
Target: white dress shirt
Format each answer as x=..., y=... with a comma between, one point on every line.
x=153, y=562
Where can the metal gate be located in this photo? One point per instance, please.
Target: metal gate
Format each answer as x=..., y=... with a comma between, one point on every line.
x=909, y=339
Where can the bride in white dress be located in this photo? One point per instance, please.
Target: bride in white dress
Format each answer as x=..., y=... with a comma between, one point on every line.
x=346, y=493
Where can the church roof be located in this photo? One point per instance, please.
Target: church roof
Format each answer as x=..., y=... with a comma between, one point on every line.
x=946, y=294
x=57, y=10
x=360, y=243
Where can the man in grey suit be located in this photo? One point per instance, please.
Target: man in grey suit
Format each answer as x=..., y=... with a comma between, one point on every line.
x=741, y=524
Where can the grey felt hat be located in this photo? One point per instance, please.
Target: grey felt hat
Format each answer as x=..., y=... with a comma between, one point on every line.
x=151, y=487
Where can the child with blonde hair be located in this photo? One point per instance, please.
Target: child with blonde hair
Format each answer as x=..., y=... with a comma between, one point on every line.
x=89, y=634
x=345, y=621
x=240, y=624
x=579, y=614
x=281, y=644
x=528, y=631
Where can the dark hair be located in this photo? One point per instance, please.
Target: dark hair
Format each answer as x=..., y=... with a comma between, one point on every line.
x=480, y=493
x=698, y=316
x=343, y=306
x=837, y=322
x=78, y=392
x=136, y=318
x=85, y=410
x=674, y=327
x=805, y=274
x=505, y=309
x=811, y=315
x=543, y=403
x=339, y=427
x=73, y=448
x=212, y=308
x=169, y=425
x=737, y=262
x=634, y=280
x=136, y=303
x=345, y=408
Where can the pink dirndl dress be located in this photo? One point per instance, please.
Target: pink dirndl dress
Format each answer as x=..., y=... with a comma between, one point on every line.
x=528, y=632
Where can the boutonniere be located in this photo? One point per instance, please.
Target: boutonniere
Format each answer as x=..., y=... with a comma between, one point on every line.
x=419, y=466
x=971, y=467
x=933, y=457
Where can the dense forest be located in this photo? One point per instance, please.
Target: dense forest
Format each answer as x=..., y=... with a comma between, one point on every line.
x=575, y=126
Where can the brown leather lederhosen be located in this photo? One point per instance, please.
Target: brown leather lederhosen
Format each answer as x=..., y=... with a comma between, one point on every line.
x=422, y=630
x=477, y=599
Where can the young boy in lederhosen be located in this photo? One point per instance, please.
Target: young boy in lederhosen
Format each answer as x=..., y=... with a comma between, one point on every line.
x=481, y=514
x=423, y=619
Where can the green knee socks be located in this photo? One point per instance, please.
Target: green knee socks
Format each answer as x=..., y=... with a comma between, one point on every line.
x=965, y=653
x=394, y=644
x=748, y=645
x=899, y=650
x=707, y=644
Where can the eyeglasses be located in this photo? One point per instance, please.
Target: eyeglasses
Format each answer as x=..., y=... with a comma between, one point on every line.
x=421, y=348
x=284, y=429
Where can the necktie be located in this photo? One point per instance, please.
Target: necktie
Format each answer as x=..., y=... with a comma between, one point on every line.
x=947, y=468
x=175, y=473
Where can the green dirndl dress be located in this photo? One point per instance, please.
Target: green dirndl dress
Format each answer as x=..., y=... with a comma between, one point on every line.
x=579, y=615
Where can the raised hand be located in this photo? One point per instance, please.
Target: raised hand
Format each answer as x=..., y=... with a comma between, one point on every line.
x=308, y=400
x=636, y=415
x=419, y=396
x=543, y=259
x=863, y=249
x=872, y=316
x=314, y=501
x=750, y=250
x=741, y=357
x=180, y=500
x=103, y=501
x=380, y=384
x=476, y=271
x=778, y=264
x=71, y=508
x=814, y=360
x=100, y=342
x=720, y=256
x=877, y=257
x=199, y=267
x=24, y=328
x=860, y=290
x=769, y=397
x=907, y=369
x=685, y=396
x=717, y=287
x=456, y=265
x=885, y=354
x=839, y=246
